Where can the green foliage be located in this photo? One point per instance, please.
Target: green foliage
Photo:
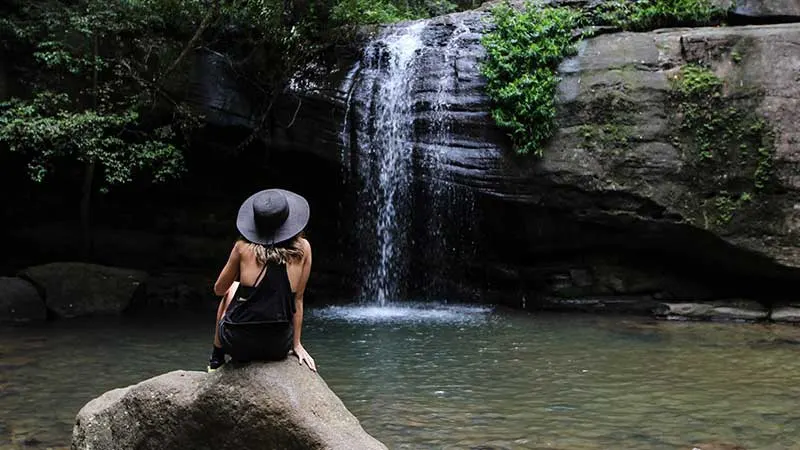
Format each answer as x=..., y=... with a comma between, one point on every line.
x=697, y=82
x=606, y=136
x=525, y=48
x=358, y=12
x=727, y=205
x=640, y=15
x=91, y=68
x=523, y=52
x=46, y=133
x=729, y=147
x=104, y=79
x=362, y=12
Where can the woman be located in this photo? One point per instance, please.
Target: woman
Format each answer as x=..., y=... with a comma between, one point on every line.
x=261, y=313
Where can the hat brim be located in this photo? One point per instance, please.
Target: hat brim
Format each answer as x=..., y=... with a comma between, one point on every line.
x=299, y=213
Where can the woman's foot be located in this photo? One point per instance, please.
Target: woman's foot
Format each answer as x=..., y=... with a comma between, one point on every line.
x=216, y=360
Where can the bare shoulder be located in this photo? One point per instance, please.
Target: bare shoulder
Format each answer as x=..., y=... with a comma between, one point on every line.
x=305, y=246
x=238, y=246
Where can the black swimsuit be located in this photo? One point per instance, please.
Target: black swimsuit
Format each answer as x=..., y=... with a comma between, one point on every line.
x=258, y=322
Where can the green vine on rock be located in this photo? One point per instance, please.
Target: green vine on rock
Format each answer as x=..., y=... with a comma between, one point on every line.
x=526, y=47
x=523, y=52
x=644, y=15
x=728, y=146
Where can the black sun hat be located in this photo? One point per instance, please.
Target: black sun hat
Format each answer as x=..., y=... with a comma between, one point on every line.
x=272, y=216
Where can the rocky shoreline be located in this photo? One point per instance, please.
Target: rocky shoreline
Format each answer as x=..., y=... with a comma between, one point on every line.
x=58, y=291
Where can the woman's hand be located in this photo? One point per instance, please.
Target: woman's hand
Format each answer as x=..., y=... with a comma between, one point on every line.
x=303, y=356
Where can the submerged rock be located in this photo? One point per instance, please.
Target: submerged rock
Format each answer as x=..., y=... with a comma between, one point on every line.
x=722, y=310
x=276, y=405
x=20, y=301
x=789, y=313
x=717, y=446
x=73, y=289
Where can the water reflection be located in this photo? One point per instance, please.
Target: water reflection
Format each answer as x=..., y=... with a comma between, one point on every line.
x=400, y=314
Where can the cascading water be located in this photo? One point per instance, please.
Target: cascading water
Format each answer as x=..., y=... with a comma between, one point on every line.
x=450, y=206
x=385, y=145
x=395, y=129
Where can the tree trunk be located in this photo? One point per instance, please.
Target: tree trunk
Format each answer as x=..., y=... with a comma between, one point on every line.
x=88, y=174
x=86, y=210
x=207, y=20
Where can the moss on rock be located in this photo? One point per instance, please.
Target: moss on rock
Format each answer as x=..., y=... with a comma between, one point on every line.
x=728, y=146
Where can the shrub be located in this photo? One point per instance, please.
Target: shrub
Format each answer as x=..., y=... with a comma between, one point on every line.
x=523, y=51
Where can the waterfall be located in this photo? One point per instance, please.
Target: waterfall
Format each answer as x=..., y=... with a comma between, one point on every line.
x=383, y=168
x=395, y=129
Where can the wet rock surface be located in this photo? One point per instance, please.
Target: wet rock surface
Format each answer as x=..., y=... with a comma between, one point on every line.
x=72, y=289
x=615, y=186
x=722, y=310
x=20, y=301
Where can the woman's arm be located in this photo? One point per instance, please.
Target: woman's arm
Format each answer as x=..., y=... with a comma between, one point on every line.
x=302, y=354
x=229, y=273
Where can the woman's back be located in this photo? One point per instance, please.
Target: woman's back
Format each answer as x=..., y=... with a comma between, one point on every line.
x=271, y=223
x=250, y=267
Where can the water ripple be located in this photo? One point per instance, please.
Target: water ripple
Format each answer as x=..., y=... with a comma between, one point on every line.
x=397, y=314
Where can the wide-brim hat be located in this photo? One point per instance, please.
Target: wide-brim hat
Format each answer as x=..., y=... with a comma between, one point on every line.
x=272, y=216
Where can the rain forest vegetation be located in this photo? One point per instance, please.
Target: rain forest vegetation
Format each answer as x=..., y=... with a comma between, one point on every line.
x=362, y=12
x=97, y=84
x=526, y=46
x=98, y=88
x=523, y=53
x=643, y=15
x=100, y=80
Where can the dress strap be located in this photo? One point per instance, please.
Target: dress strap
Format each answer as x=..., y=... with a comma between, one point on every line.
x=260, y=276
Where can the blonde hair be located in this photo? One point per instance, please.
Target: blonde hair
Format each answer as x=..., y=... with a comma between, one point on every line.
x=280, y=254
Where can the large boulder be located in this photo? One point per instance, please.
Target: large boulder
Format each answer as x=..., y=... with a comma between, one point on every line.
x=785, y=10
x=276, y=405
x=20, y=301
x=73, y=289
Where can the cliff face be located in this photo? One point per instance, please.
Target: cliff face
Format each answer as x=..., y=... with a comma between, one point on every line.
x=643, y=195
x=624, y=203
x=638, y=170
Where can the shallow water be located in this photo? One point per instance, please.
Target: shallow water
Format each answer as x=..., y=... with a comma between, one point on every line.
x=453, y=377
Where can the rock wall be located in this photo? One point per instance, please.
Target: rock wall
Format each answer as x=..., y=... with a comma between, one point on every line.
x=766, y=10
x=619, y=207
x=620, y=214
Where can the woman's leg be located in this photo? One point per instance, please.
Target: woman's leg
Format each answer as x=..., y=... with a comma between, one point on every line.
x=217, y=354
x=223, y=306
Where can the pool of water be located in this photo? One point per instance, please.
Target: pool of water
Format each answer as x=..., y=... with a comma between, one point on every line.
x=430, y=377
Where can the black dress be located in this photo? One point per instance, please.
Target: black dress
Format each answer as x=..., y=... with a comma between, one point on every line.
x=258, y=322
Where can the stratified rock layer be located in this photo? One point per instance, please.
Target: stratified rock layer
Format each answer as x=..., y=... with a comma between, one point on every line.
x=619, y=204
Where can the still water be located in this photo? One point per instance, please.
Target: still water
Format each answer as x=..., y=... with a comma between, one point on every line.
x=453, y=377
